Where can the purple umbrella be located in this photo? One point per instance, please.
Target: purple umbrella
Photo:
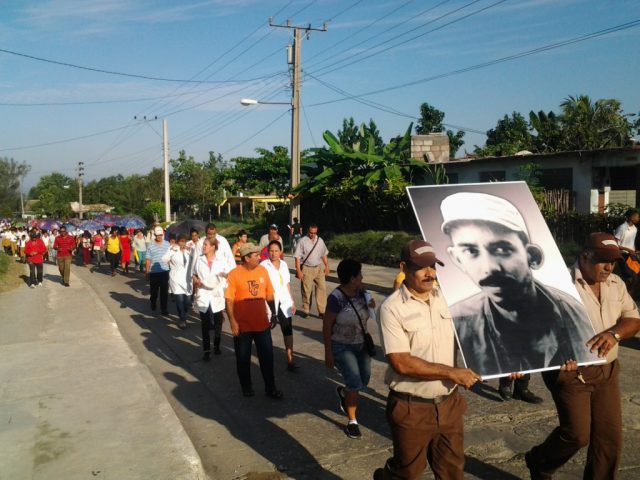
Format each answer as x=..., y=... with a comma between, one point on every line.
x=108, y=219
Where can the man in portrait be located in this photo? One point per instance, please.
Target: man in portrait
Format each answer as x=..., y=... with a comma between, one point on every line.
x=515, y=323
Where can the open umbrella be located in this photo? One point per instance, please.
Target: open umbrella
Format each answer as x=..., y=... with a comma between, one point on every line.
x=50, y=224
x=90, y=225
x=185, y=226
x=132, y=221
x=108, y=219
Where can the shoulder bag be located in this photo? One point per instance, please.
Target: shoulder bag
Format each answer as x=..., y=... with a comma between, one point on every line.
x=369, y=345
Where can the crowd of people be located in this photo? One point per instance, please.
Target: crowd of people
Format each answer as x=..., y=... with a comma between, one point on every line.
x=249, y=285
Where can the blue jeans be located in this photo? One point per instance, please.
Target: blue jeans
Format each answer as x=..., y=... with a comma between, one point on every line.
x=264, y=347
x=354, y=364
x=182, y=305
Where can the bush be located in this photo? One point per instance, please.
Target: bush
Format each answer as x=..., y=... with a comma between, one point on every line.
x=373, y=247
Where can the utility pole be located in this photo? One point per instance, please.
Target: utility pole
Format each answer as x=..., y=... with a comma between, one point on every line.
x=295, y=60
x=165, y=151
x=80, y=175
x=165, y=156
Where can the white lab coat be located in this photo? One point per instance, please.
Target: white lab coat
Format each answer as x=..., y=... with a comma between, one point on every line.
x=280, y=279
x=179, y=262
x=211, y=292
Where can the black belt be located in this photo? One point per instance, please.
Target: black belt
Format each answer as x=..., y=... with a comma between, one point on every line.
x=407, y=397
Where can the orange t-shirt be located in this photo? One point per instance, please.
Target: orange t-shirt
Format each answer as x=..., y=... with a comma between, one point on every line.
x=249, y=290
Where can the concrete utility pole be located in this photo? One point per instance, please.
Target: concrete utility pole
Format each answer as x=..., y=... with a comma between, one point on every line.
x=295, y=60
x=167, y=192
x=80, y=175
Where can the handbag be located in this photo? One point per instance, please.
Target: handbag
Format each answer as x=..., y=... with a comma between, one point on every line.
x=369, y=345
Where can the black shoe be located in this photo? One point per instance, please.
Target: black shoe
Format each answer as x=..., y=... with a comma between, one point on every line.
x=340, y=392
x=353, y=430
x=216, y=350
x=207, y=356
x=505, y=394
x=533, y=471
x=248, y=392
x=527, y=396
x=275, y=394
x=292, y=367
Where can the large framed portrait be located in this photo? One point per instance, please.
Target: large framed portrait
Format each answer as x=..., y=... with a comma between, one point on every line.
x=511, y=296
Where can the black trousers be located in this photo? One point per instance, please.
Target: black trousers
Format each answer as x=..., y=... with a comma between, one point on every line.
x=35, y=273
x=210, y=319
x=159, y=282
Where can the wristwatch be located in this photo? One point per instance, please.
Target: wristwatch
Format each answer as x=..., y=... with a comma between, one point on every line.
x=615, y=335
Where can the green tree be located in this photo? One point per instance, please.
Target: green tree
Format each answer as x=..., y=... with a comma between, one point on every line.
x=510, y=136
x=431, y=120
x=54, y=193
x=595, y=125
x=267, y=174
x=11, y=175
x=353, y=182
x=548, y=127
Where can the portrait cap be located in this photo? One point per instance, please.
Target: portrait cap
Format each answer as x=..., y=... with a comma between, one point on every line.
x=420, y=253
x=248, y=249
x=474, y=206
x=604, y=245
x=158, y=231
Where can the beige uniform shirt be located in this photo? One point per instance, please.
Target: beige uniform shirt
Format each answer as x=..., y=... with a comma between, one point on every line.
x=615, y=303
x=425, y=330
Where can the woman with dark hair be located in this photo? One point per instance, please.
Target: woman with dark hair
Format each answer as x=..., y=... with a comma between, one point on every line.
x=125, y=250
x=285, y=308
x=180, y=284
x=344, y=327
x=85, y=244
x=209, y=279
x=112, y=250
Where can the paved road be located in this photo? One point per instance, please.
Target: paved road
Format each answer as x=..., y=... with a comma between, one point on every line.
x=301, y=437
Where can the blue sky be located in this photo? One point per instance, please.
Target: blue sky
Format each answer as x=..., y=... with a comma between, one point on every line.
x=229, y=41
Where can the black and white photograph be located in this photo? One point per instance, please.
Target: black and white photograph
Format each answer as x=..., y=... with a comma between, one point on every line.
x=509, y=291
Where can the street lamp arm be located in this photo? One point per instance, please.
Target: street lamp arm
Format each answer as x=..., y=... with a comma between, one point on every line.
x=250, y=101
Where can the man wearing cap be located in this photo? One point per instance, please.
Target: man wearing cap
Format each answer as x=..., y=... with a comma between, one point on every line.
x=424, y=409
x=515, y=323
x=248, y=288
x=158, y=270
x=588, y=400
x=64, y=245
x=312, y=266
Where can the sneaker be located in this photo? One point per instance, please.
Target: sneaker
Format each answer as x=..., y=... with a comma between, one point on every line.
x=340, y=392
x=353, y=430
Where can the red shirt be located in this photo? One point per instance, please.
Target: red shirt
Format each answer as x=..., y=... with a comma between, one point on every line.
x=35, y=246
x=64, y=245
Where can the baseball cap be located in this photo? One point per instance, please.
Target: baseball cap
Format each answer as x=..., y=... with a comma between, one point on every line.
x=248, y=248
x=158, y=231
x=419, y=253
x=604, y=245
x=474, y=206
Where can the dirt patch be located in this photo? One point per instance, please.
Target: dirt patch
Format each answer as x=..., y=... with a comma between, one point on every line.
x=11, y=273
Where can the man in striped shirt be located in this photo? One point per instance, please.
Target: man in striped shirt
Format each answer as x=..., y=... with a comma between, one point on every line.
x=157, y=270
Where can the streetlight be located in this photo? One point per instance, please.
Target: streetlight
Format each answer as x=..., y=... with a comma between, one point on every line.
x=294, y=211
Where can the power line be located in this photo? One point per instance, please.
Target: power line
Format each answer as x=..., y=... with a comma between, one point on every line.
x=552, y=46
x=123, y=74
x=386, y=108
x=378, y=52
x=257, y=133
